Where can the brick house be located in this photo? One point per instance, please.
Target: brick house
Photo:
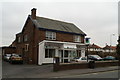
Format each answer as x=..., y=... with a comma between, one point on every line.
x=41, y=39
x=108, y=48
x=94, y=47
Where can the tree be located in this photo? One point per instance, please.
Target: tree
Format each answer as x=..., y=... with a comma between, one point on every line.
x=118, y=50
x=118, y=47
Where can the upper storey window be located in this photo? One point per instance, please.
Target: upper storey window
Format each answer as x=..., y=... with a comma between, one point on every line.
x=50, y=35
x=25, y=38
x=77, y=38
x=19, y=39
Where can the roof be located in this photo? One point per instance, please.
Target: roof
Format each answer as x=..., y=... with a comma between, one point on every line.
x=95, y=46
x=109, y=47
x=50, y=24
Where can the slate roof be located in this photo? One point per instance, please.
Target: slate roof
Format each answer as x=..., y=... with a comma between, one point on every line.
x=51, y=24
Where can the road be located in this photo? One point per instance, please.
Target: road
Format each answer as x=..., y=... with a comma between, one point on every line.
x=108, y=74
x=46, y=71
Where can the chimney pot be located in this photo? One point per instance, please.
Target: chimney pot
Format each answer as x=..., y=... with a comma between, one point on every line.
x=33, y=13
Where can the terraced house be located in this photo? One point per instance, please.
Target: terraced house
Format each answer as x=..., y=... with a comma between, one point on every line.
x=42, y=39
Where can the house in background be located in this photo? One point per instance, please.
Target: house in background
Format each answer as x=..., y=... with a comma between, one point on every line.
x=42, y=39
x=109, y=49
x=94, y=47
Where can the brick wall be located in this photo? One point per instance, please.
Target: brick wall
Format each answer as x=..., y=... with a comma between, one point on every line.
x=35, y=36
x=8, y=50
x=61, y=67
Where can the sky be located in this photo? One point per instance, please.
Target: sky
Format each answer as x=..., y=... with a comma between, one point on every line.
x=97, y=18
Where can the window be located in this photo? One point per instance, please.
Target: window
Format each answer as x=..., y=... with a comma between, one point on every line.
x=50, y=35
x=66, y=53
x=77, y=38
x=49, y=53
x=26, y=47
x=25, y=38
x=19, y=39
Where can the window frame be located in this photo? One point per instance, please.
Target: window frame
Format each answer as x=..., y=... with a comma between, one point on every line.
x=77, y=38
x=25, y=38
x=26, y=47
x=50, y=35
x=19, y=39
x=49, y=54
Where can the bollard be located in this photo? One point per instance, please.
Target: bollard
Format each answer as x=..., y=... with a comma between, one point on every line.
x=56, y=64
x=92, y=64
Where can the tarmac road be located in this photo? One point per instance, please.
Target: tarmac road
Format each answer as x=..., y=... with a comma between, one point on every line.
x=107, y=74
x=46, y=71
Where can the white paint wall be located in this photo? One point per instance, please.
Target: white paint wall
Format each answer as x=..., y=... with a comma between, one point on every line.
x=41, y=53
x=83, y=52
x=69, y=46
x=41, y=58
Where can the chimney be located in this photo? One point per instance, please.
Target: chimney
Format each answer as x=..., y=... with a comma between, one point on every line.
x=33, y=13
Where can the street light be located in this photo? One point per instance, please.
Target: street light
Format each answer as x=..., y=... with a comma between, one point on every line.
x=111, y=40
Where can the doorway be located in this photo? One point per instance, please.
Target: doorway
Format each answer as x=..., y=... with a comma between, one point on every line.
x=66, y=55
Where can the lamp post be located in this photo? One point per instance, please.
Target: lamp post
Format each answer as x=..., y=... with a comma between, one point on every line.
x=111, y=40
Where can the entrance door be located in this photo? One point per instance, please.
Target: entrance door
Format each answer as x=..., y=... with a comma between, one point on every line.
x=64, y=56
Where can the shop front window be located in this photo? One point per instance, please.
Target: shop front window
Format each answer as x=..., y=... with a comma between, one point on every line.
x=49, y=53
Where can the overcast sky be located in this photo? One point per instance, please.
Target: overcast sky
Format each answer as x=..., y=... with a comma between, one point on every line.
x=99, y=20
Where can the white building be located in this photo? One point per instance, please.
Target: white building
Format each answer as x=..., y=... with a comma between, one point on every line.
x=64, y=50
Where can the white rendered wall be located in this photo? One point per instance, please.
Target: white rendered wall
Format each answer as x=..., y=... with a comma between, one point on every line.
x=41, y=58
x=83, y=52
x=41, y=53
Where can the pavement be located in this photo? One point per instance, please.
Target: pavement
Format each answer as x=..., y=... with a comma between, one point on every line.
x=78, y=71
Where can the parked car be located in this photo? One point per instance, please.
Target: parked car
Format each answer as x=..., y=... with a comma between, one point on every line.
x=6, y=57
x=109, y=58
x=80, y=59
x=94, y=57
x=15, y=58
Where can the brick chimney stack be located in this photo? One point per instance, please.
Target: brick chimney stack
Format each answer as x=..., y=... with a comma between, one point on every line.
x=33, y=13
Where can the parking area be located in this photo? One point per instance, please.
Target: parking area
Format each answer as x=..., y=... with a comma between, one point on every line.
x=24, y=70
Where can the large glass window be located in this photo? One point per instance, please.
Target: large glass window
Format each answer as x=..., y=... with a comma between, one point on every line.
x=49, y=53
x=66, y=53
x=77, y=38
x=50, y=35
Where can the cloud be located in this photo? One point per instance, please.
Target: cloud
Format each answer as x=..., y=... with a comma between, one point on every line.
x=97, y=19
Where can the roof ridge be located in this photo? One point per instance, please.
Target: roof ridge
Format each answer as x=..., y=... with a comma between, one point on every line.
x=55, y=20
